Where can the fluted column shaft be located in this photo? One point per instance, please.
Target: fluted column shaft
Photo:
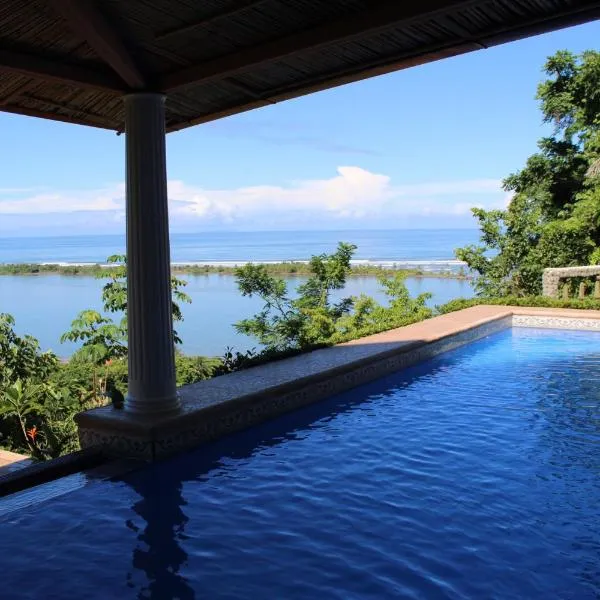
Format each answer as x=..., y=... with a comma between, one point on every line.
x=152, y=387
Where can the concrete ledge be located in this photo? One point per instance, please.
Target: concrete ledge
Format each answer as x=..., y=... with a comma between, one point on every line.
x=42, y=472
x=11, y=461
x=217, y=407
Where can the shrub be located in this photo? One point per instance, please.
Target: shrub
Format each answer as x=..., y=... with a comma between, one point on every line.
x=531, y=301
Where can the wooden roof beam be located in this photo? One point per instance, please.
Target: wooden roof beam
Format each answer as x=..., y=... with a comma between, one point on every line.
x=16, y=93
x=70, y=108
x=58, y=71
x=29, y=112
x=383, y=15
x=330, y=81
x=237, y=7
x=85, y=20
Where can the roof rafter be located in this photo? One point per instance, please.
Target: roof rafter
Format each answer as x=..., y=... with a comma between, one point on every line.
x=494, y=37
x=85, y=20
x=385, y=14
x=205, y=21
x=327, y=82
x=70, y=108
x=29, y=112
x=57, y=70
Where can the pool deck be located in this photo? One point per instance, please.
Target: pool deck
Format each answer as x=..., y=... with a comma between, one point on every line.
x=11, y=462
x=216, y=407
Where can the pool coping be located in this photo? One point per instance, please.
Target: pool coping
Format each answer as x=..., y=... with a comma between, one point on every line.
x=223, y=405
x=11, y=462
x=37, y=473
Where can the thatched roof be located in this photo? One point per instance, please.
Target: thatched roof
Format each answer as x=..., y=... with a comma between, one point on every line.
x=71, y=60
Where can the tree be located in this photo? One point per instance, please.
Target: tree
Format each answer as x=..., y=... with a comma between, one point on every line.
x=369, y=316
x=21, y=357
x=310, y=319
x=553, y=219
x=36, y=415
x=114, y=293
x=301, y=322
x=103, y=339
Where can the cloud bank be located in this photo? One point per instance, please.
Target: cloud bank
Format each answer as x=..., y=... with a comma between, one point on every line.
x=352, y=195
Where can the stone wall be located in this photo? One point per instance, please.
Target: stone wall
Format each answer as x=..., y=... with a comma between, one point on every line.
x=551, y=277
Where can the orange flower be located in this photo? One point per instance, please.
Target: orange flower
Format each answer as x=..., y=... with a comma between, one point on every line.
x=32, y=433
x=108, y=362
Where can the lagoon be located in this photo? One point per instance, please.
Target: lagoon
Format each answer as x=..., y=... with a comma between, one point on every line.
x=45, y=305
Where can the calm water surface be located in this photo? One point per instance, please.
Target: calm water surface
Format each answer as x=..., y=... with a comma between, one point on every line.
x=45, y=305
x=473, y=475
x=402, y=245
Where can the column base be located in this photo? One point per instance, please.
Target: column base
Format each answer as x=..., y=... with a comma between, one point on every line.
x=152, y=406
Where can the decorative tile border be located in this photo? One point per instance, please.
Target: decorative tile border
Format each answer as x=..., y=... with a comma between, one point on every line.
x=214, y=421
x=117, y=444
x=552, y=322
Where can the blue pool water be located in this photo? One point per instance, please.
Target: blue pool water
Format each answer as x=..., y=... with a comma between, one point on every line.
x=472, y=475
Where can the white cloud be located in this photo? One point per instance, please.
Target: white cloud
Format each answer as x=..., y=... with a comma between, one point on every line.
x=349, y=193
x=352, y=193
x=110, y=199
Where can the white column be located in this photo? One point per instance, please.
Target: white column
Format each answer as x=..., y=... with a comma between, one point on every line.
x=150, y=325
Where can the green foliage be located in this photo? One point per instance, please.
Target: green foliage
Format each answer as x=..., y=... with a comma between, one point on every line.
x=114, y=293
x=531, y=301
x=301, y=322
x=281, y=269
x=369, y=317
x=20, y=357
x=190, y=369
x=102, y=339
x=553, y=219
x=40, y=396
x=310, y=320
x=36, y=415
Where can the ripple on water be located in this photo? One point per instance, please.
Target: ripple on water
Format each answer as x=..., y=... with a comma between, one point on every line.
x=473, y=475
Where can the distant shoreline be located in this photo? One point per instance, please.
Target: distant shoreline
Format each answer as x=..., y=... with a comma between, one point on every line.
x=360, y=268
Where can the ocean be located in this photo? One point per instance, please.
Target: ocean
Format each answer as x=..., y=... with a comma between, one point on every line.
x=412, y=246
x=45, y=305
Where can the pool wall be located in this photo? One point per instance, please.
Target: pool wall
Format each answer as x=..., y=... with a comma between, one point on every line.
x=217, y=407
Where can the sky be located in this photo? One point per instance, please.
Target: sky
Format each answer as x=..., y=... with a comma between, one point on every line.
x=412, y=149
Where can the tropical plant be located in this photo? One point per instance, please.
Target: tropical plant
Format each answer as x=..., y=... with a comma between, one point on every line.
x=369, y=316
x=102, y=340
x=300, y=322
x=287, y=325
x=21, y=357
x=190, y=369
x=114, y=293
x=19, y=401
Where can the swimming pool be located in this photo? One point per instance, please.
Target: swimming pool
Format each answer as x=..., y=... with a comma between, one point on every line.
x=475, y=474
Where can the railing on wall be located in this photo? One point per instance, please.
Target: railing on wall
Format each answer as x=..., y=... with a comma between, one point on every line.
x=556, y=282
